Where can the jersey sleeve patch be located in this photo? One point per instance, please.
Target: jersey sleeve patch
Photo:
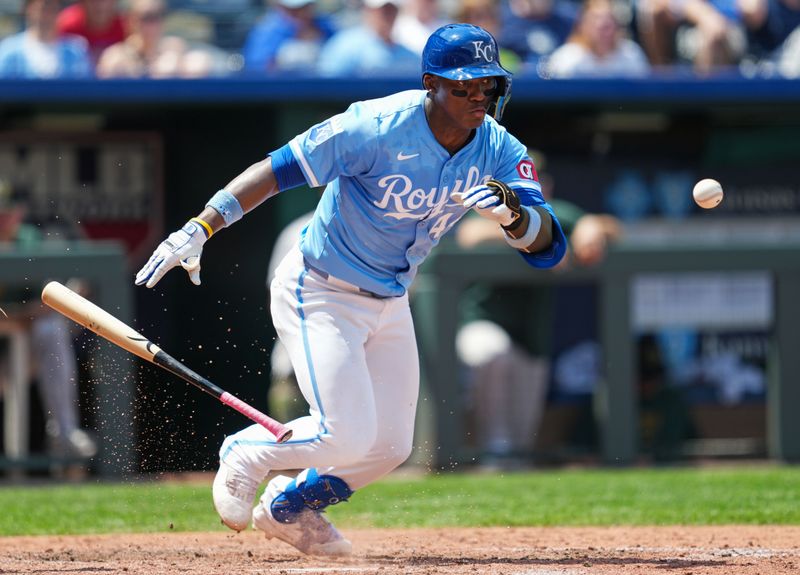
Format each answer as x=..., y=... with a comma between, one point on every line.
x=527, y=170
x=325, y=131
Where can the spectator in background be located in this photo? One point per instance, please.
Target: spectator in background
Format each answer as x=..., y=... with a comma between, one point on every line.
x=98, y=21
x=707, y=33
x=769, y=24
x=789, y=62
x=369, y=47
x=598, y=47
x=506, y=340
x=38, y=52
x=51, y=341
x=288, y=37
x=418, y=19
x=486, y=14
x=148, y=53
x=533, y=29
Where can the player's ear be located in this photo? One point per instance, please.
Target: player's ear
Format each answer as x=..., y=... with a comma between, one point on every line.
x=429, y=82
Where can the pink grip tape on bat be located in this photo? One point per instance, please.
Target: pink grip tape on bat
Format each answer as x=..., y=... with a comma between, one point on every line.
x=280, y=431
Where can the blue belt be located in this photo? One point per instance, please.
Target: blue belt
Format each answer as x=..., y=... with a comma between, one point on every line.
x=328, y=277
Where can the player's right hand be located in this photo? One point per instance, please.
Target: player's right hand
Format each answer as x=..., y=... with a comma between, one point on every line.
x=183, y=248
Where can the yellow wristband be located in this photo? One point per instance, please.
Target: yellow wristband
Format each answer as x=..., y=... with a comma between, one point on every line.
x=206, y=227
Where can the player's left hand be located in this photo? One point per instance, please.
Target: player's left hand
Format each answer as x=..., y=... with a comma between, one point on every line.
x=493, y=200
x=183, y=248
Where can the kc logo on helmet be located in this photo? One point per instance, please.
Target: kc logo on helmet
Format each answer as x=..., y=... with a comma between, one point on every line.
x=483, y=51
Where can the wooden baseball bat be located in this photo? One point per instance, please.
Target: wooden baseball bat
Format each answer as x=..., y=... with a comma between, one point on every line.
x=82, y=311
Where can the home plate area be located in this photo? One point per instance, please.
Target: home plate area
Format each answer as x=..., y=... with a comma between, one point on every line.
x=724, y=550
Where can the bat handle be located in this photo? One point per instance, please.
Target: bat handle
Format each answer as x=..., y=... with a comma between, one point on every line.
x=280, y=431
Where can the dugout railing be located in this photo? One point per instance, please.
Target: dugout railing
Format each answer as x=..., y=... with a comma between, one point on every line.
x=450, y=270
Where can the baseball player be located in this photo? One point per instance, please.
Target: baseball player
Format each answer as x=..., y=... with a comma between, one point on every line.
x=398, y=173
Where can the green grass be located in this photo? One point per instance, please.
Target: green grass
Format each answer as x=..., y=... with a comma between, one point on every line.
x=584, y=497
x=698, y=496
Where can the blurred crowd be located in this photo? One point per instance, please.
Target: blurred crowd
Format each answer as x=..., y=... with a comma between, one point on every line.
x=544, y=38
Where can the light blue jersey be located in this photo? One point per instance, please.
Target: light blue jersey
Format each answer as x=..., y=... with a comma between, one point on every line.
x=388, y=183
x=386, y=203
x=22, y=56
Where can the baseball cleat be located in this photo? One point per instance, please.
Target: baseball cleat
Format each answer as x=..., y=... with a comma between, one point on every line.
x=75, y=444
x=310, y=532
x=233, y=494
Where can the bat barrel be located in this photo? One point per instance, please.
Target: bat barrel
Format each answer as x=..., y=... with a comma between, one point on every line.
x=95, y=319
x=82, y=311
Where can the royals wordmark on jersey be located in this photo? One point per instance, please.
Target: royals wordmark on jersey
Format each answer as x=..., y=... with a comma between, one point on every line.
x=388, y=183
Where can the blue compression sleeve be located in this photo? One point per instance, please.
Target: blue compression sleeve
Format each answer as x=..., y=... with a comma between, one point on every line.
x=286, y=169
x=549, y=257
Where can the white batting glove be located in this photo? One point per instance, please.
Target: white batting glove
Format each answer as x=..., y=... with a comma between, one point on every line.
x=487, y=203
x=183, y=247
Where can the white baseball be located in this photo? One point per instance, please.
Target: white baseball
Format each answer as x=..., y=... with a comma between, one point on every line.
x=708, y=193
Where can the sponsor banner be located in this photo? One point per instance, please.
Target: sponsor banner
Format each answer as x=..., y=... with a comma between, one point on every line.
x=642, y=190
x=109, y=185
x=720, y=301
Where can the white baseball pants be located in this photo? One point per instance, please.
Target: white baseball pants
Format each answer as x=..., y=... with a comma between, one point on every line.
x=355, y=358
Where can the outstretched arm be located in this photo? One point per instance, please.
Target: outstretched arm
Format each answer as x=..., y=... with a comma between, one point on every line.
x=526, y=228
x=185, y=246
x=250, y=188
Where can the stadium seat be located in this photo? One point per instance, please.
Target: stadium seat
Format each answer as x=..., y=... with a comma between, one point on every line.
x=13, y=7
x=191, y=26
x=10, y=17
x=8, y=25
x=232, y=19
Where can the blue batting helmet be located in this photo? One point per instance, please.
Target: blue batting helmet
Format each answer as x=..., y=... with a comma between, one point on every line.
x=464, y=52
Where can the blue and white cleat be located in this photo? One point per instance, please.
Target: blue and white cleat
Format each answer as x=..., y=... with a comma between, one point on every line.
x=309, y=531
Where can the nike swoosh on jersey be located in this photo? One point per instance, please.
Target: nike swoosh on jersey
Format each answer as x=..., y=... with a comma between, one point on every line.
x=401, y=156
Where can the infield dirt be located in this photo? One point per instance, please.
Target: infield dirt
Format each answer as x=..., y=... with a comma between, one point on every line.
x=729, y=550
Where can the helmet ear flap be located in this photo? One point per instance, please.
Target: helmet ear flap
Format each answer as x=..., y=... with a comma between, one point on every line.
x=500, y=101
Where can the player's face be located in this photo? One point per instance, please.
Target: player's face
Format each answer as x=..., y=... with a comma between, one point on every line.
x=464, y=101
